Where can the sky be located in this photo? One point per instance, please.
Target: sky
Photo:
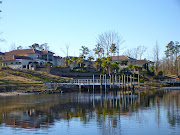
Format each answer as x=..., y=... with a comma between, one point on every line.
x=79, y=22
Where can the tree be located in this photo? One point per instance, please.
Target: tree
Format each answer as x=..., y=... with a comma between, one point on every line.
x=136, y=53
x=44, y=47
x=124, y=62
x=39, y=47
x=176, y=52
x=34, y=46
x=107, y=39
x=156, y=58
x=113, y=49
x=70, y=61
x=19, y=47
x=98, y=63
x=12, y=47
x=114, y=66
x=85, y=51
x=106, y=63
x=141, y=50
x=80, y=61
x=90, y=58
x=99, y=50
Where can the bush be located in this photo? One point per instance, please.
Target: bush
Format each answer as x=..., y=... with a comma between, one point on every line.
x=160, y=73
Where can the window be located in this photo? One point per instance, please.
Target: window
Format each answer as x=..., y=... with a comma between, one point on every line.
x=19, y=63
x=11, y=62
x=24, y=66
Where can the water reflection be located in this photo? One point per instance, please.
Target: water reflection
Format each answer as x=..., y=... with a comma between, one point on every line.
x=110, y=113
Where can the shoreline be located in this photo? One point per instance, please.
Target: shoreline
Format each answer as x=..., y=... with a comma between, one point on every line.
x=5, y=94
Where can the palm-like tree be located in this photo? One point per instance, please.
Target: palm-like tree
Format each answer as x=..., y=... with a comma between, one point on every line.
x=80, y=61
x=98, y=63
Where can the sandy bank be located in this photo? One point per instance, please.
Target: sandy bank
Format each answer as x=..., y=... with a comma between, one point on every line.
x=14, y=94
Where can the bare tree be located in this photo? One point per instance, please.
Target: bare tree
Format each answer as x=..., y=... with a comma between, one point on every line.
x=156, y=58
x=13, y=47
x=136, y=53
x=141, y=50
x=107, y=39
x=66, y=52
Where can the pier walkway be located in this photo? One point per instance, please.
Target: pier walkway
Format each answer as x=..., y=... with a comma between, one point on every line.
x=91, y=82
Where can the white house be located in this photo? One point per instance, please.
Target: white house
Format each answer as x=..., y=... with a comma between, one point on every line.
x=27, y=58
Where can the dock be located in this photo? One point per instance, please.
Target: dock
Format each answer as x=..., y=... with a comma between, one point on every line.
x=113, y=81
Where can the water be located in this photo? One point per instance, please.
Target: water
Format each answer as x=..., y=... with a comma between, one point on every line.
x=114, y=113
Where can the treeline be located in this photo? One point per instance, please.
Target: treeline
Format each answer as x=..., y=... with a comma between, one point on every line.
x=170, y=64
x=108, y=44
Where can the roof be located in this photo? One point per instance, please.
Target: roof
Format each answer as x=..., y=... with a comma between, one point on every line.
x=45, y=51
x=1, y=53
x=57, y=57
x=12, y=57
x=122, y=57
x=22, y=51
x=143, y=61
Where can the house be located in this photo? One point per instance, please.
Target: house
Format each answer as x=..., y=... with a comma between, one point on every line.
x=124, y=60
x=26, y=58
x=145, y=63
x=1, y=55
x=58, y=61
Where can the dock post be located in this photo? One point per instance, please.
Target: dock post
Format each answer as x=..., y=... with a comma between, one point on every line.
x=119, y=81
x=138, y=77
x=124, y=81
x=130, y=81
x=105, y=82
x=110, y=80
x=133, y=79
x=127, y=80
x=93, y=82
x=113, y=80
x=100, y=83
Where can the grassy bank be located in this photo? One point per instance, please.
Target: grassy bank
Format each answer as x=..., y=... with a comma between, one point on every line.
x=11, y=80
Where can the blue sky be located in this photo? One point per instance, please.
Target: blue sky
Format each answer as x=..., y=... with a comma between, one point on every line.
x=79, y=22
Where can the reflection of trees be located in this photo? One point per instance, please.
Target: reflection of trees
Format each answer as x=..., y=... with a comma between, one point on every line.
x=172, y=101
x=38, y=111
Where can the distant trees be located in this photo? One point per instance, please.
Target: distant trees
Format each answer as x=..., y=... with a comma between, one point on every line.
x=108, y=42
x=171, y=62
x=39, y=47
x=137, y=52
x=156, y=58
x=19, y=47
x=84, y=51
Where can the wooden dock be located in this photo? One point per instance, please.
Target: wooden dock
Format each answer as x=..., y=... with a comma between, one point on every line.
x=173, y=82
x=113, y=81
x=91, y=82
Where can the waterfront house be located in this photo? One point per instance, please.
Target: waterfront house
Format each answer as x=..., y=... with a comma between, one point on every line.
x=123, y=60
x=27, y=58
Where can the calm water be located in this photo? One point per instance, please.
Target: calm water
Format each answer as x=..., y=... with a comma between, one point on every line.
x=92, y=113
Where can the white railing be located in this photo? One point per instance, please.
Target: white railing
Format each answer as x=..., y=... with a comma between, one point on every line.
x=172, y=81
x=89, y=81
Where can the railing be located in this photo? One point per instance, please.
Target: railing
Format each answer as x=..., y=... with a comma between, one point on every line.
x=90, y=81
x=171, y=81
